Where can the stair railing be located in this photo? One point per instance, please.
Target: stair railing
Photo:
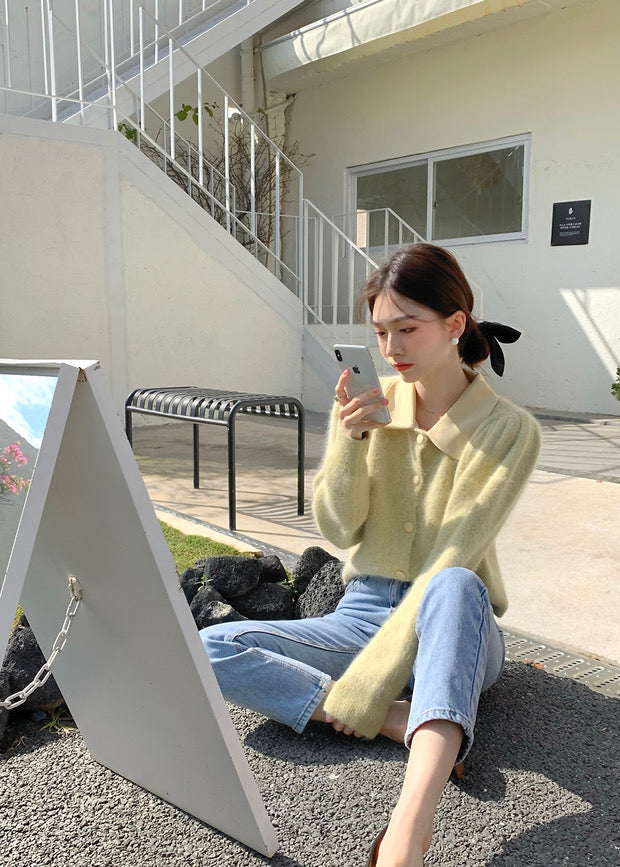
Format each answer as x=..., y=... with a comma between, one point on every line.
x=335, y=268
x=380, y=231
x=247, y=156
x=112, y=31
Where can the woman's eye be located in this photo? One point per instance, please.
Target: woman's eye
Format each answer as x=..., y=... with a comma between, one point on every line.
x=407, y=330
x=380, y=333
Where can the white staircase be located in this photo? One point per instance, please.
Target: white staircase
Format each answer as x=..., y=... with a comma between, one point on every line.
x=101, y=62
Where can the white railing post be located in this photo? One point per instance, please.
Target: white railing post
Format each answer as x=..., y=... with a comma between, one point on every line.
x=113, y=64
x=277, y=204
x=132, y=29
x=171, y=94
x=50, y=31
x=200, y=128
x=78, y=46
x=304, y=244
x=44, y=40
x=253, y=185
x=386, y=231
x=7, y=44
x=334, y=280
x=141, y=49
x=300, y=228
x=227, y=159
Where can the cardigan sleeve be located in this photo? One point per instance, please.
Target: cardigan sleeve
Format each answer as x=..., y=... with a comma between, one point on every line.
x=341, y=488
x=492, y=472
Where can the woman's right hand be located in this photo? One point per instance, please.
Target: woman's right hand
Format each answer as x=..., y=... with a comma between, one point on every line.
x=354, y=413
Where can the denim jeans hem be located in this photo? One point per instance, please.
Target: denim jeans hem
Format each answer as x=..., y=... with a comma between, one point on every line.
x=444, y=713
x=304, y=717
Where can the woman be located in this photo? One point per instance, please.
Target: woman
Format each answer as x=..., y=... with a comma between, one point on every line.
x=419, y=502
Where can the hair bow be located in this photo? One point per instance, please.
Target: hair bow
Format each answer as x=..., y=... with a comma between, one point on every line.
x=495, y=333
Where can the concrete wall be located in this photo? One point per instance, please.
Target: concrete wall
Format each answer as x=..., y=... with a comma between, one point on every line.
x=103, y=257
x=555, y=76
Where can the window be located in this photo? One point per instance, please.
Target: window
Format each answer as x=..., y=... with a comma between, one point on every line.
x=457, y=196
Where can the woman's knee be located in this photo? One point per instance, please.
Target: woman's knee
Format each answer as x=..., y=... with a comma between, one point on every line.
x=218, y=636
x=453, y=586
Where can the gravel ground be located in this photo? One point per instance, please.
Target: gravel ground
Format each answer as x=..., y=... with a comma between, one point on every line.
x=540, y=789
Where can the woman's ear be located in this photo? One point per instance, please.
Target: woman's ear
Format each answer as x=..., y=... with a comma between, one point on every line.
x=457, y=322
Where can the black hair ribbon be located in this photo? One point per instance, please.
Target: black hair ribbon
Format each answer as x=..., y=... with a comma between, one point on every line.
x=495, y=334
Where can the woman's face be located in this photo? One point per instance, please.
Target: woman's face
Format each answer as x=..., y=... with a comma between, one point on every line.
x=414, y=339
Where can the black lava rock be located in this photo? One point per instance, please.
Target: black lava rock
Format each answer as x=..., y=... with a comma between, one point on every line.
x=207, y=611
x=202, y=602
x=192, y=580
x=323, y=593
x=310, y=562
x=272, y=569
x=22, y=661
x=5, y=691
x=267, y=602
x=232, y=576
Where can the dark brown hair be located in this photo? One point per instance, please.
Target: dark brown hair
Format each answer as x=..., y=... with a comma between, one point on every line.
x=431, y=276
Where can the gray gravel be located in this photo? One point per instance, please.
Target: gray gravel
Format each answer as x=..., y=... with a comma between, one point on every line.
x=540, y=789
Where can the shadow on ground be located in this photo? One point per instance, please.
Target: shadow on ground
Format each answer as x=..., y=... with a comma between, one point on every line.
x=540, y=789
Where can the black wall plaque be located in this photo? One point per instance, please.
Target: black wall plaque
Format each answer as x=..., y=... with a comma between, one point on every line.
x=571, y=223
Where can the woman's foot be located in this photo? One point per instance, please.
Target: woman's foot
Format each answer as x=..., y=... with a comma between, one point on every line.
x=395, y=724
x=399, y=849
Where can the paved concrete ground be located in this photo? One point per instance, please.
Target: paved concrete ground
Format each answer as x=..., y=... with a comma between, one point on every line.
x=559, y=550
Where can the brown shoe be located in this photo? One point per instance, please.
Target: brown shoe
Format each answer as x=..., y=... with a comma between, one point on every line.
x=374, y=849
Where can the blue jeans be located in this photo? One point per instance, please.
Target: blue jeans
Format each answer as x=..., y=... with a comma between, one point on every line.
x=282, y=668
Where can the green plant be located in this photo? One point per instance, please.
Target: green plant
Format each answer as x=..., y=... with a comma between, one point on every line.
x=60, y=721
x=615, y=386
x=186, y=550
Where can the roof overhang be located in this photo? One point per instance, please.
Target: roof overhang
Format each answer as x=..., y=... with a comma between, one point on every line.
x=376, y=30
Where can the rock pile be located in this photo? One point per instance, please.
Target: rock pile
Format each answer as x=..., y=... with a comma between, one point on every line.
x=218, y=590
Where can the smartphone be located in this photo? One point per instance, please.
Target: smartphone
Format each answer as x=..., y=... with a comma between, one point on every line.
x=363, y=377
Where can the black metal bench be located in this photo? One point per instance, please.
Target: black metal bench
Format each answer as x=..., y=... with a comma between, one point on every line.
x=214, y=406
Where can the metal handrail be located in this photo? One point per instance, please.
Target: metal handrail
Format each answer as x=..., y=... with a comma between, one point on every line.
x=351, y=224
x=328, y=252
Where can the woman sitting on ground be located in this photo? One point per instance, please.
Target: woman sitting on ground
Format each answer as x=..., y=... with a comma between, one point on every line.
x=419, y=502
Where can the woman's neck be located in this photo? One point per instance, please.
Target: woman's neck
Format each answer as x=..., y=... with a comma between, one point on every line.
x=434, y=398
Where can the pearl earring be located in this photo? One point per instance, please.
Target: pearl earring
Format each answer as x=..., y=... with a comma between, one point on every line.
x=455, y=341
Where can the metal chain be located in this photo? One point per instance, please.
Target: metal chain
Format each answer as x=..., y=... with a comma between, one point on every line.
x=44, y=672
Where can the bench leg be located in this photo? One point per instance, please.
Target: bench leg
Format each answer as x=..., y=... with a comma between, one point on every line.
x=196, y=456
x=232, y=479
x=128, y=428
x=300, y=461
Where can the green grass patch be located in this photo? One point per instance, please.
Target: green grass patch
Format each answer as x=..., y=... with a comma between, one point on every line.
x=186, y=550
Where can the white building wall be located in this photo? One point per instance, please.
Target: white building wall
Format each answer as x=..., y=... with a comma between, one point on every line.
x=556, y=76
x=102, y=256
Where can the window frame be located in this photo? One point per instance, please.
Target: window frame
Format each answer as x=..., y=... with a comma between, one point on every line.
x=433, y=157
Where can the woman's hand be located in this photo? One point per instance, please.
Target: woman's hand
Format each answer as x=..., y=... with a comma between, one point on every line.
x=355, y=412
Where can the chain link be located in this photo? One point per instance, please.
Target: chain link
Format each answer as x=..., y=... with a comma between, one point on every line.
x=44, y=672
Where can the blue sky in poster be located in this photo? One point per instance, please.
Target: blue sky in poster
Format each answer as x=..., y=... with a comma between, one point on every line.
x=25, y=404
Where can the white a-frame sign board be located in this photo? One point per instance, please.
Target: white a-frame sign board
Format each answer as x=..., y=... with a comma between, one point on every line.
x=133, y=672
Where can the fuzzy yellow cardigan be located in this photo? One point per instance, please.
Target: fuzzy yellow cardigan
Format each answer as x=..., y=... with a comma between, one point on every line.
x=411, y=502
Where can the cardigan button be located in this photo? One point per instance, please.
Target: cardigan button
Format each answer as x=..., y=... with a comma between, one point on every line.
x=420, y=439
x=402, y=576
x=408, y=527
x=415, y=479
